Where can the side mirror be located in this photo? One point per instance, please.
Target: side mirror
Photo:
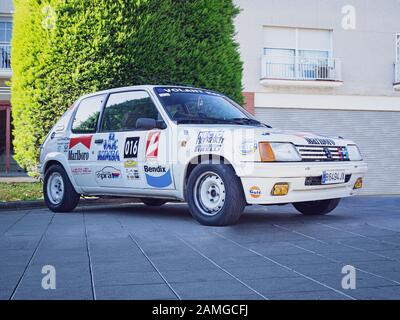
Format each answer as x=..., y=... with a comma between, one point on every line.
x=146, y=123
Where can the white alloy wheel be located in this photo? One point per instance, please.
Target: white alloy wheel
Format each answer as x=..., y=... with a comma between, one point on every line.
x=209, y=193
x=55, y=188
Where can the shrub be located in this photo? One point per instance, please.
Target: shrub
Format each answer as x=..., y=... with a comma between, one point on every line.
x=63, y=49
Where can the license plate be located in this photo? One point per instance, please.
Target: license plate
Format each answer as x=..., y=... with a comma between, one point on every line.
x=333, y=177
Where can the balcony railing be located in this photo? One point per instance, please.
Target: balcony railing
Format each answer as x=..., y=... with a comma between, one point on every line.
x=301, y=68
x=5, y=56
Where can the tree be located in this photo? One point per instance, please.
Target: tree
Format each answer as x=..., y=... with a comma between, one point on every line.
x=63, y=49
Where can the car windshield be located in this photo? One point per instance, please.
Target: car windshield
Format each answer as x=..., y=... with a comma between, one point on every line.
x=188, y=105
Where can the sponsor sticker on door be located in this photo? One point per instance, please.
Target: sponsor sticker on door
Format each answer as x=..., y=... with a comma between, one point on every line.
x=131, y=147
x=158, y=176
x=79, y=148
x=108, y=173
x=152, y=143
x=109, y=150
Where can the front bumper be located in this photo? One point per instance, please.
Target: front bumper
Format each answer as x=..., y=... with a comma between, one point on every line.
x=263, y=177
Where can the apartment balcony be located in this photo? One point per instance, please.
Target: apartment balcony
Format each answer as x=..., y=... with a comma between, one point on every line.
x=301, y=72
x=5, y=60
x=396, y=84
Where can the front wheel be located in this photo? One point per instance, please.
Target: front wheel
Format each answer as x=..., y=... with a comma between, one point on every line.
x=215, y=195
x=59, y=193
x=316, y=208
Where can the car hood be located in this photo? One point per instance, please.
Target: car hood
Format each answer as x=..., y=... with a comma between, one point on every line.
x=258, y=134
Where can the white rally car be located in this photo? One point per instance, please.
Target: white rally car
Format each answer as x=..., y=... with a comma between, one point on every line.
x=164, y=143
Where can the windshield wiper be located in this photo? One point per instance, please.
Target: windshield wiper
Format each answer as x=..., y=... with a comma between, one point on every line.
x=246, y=121
x=250, y=121
x=201, y=120
x=238, y=121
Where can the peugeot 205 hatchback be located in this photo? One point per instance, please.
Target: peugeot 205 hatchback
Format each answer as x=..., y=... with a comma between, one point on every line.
x=161, y=143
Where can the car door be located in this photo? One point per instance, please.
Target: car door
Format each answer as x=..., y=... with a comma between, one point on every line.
x=121, y=146
x=80, y=143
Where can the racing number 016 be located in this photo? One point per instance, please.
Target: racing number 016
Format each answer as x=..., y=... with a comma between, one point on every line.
x=131, y=147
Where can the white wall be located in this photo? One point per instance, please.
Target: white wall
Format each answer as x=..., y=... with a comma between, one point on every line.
x=367, y=53
x=6, y=6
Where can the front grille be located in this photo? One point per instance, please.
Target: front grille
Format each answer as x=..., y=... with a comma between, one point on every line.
x=317, y=181
x=323, y=153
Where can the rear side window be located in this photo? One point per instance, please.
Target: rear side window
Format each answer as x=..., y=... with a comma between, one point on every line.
x=123, y=109
x=86, y=117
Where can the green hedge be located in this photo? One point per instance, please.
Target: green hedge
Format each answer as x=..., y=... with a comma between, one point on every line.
x=63, y=49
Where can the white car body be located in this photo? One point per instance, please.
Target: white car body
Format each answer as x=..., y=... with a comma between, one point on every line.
x=154, y=163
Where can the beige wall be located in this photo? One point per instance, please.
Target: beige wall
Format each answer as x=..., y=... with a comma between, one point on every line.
x=367, y=53
x=6, y=6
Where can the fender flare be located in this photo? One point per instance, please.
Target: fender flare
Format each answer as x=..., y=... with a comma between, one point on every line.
x=60, y=158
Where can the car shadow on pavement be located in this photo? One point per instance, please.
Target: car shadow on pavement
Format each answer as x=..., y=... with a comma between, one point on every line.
x=252, y=216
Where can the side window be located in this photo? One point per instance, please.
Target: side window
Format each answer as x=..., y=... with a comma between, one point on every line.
x=86, y=117
x=125, y=108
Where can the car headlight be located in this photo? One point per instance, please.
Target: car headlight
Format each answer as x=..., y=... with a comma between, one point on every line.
x=277, y=151
x=354, y=153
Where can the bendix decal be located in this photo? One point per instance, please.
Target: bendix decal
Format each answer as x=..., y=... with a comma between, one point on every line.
x=158, y=176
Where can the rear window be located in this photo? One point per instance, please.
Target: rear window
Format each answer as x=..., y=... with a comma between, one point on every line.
x=87, y=115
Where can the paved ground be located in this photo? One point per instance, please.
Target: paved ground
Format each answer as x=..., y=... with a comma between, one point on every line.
x=135, y=252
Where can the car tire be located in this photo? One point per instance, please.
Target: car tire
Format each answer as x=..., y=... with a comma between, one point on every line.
x=317, y=208
x=215, y=195
x=59, y=193
x=153, y=202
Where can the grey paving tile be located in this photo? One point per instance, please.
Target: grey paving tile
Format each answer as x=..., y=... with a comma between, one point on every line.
x=38, y=293
x=112, y=278
x=377, y=293
x=211, y=289
x=122, y=266
x=67, y=276
x=284, y=285
x=122, y=271
x=305, y=259
x=315, y=295
x=264, y=272
x=353, y=257
x=177, y=276
x=135, y=292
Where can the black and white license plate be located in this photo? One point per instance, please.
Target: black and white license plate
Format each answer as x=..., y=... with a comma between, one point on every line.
x=333, y=177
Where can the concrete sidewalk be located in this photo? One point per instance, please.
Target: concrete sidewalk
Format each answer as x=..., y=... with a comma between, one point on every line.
x=137, y=252
x=4, y=179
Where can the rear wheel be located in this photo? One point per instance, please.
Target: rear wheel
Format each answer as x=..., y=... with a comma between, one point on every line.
x=215, y=195
x=59, y=193
x=153, y=202
x=316, y=208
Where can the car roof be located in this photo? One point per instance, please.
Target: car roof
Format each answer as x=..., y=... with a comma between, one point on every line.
x=129, y=88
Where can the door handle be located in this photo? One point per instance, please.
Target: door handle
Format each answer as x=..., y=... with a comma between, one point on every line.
x=98, y=141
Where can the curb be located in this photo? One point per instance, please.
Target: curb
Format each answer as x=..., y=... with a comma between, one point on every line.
x=21, y=204
x=82, y=203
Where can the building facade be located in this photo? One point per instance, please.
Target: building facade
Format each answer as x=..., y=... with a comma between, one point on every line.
x=330, y=67
x=6, y=9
